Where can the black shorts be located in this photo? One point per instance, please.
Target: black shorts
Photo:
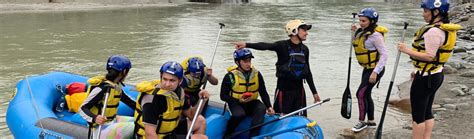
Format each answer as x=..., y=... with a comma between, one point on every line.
x=290, y=100
x=422, y=94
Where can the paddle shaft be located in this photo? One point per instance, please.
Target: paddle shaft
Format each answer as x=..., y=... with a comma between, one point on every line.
x=279, y=118
x=188, y=135
x=346, y=104
x=350, y=53
x=103, y=112
x=378, y=133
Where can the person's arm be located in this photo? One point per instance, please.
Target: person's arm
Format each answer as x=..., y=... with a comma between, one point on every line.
x=262, y=46
x=128, y=100
x=92, y=99
x=378, y=41
x=434, y=39
x=152, y=108
x=150, y=131
x=210, y=77
x=257, y=46
x=262, y=90
x=309, y=77
x=226, y=88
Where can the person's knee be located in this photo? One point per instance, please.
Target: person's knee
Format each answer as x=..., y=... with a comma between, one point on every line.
x=238, y=114
x=418, y=119
x=260, y=109
x=201, y=120
x=198, y=136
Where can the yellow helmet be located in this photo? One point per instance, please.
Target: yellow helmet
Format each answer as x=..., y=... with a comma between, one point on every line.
x=292, y=26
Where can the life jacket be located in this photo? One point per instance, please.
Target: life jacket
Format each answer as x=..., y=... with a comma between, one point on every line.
x=75, y=101
x=443, y=53
x=366, y=58
x=296, y=67
x=76, y=94
x=115, y=92
x=169, y=120
x=193, y=84
x=242, y=85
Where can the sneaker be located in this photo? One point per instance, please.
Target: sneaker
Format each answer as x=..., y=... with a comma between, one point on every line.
x=359, y=127
x=371, y=124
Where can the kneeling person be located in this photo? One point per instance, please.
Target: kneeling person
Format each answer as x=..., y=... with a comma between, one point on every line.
x=163, y=104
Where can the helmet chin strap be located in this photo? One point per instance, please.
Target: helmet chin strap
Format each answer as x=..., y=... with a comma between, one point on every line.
x=433, y=17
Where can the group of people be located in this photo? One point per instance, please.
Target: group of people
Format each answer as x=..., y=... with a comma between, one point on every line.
x=165, y=108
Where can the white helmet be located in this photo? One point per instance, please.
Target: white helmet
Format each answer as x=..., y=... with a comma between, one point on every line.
x=292, y=26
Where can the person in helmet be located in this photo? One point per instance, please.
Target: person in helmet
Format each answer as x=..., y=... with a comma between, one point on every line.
x=117, y=67
x=161, y=105
x=195, y=75
x=240, y=89
x=292, y=67
x=431, y=49
x=371, y=54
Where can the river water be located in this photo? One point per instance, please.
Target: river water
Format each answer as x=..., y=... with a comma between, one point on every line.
x=80, y=42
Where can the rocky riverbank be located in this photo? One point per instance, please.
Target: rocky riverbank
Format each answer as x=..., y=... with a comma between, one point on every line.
x=454, y=102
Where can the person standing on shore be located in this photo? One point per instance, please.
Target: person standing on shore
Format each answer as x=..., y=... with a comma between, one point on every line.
x=432, y=47
x=292, y=67
x=371, y=53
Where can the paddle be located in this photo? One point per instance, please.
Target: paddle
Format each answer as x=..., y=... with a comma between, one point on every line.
x=103, y=112
x=378, y=133
x=346, y=105
x=188, y=135
x=277, y=119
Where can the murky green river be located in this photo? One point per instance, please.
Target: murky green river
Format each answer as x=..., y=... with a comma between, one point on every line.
x=80, y=42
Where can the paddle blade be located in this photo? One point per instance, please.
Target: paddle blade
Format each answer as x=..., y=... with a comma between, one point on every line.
x=346, y=105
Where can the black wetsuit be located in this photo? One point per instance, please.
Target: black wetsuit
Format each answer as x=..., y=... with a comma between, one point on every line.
x=289, y=93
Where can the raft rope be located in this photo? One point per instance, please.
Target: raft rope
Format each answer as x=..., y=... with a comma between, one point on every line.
x=43, y=132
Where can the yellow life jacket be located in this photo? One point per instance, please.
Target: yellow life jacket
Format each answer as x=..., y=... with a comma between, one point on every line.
x=243, y=85
x=366, y=58
x=193, y=84
x=443, y=53
x=113, y=100
x=75, y=100
x=145, y=87
x=169, y=120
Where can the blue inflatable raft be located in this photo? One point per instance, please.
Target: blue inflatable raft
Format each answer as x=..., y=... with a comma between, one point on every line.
x=31, y=114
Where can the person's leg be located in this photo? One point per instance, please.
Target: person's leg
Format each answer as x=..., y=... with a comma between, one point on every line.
x=362, y=102
x=419, y=103
x=436, y=81
x=418, y=130
x=302, y=102
x=370, y=102
x=277, y=102
x=199, y=126
x=257, y=110
x=238, y=114
x=286, y=100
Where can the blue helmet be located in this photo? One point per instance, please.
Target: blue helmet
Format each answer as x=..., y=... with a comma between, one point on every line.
x=242, y=54
x=442, y=5
x=173, y=68
x=370, y=13
x=195, y=65
x=119, y=63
